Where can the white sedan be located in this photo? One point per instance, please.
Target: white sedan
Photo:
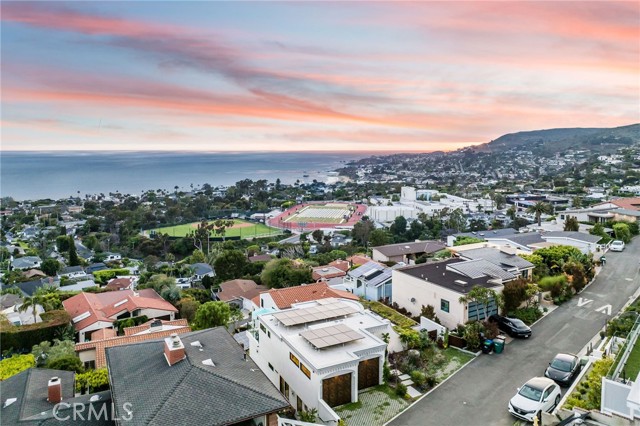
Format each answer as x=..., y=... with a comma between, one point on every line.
x=537, y=395
x=617, y=245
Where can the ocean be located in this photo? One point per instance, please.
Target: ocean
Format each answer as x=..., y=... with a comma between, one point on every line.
x=56, y=175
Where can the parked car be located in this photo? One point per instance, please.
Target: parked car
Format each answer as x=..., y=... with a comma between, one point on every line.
x=563, y=369
x=512, y=326
x=617, y=245
x=537, y=395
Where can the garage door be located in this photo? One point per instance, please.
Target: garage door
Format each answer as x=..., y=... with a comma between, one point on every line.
x=368, y=373
x=337, y=390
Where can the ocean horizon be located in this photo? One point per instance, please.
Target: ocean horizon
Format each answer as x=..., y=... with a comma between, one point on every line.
x=31, y=175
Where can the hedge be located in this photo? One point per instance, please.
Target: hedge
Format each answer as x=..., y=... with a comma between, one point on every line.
x=16, y=364
x=22, y=338
x=106, y=274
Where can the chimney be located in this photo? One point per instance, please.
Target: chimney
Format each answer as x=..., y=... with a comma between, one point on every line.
x=173, y=349
x=55, y=390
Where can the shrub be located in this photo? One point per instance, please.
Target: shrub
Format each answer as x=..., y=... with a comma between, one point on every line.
x=401, y=390
x=588, y=393
x=23, y=338
x=418, y=377
x=67, y=363
x=549, y=283
x=390, y=314
x=472, y=335
x=15, y=364
x=528, y=315
x=92, y=381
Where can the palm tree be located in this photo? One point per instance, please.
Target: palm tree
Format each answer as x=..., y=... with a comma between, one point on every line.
x=538, y=209
x=31, y=302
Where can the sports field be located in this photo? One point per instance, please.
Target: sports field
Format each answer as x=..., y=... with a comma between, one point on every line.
x=330, y=213
x=241, y=228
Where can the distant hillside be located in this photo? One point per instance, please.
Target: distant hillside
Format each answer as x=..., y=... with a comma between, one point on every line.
x=597, y=140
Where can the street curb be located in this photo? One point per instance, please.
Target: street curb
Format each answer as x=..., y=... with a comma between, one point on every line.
x=426, y=394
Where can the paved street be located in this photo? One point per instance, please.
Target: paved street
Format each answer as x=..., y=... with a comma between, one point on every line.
x=478, y=395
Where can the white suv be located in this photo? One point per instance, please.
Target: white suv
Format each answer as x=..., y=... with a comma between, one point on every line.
x=617, y=245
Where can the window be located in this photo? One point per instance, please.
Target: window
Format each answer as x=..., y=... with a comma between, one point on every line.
x=261, y=303
x=263, y=328
x=294, y=359
x=89, y=365
x=305, y=370
x=270, y=366
x=299, y=404
x=444, y=305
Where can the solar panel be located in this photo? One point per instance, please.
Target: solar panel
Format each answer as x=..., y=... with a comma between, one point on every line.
x=330, y=336
x=321, y=312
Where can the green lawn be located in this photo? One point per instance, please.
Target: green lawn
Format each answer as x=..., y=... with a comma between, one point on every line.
x=632, y=367
x=242, y=229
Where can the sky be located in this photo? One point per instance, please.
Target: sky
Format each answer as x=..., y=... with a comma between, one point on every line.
x=311, y=76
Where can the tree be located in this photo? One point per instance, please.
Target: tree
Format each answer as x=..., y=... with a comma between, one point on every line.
x=362, y=231
x=212, y=314
x=30, y=302
x=50, y=267
x=317, y=235
x=197, y=256
x=74, y=260
x=67, y=363
x=576, y=202
x=571, y=224
x=62, y=243
x=188, y=308
x=399, y=227
x=622, y=232
x=379, y=237
x=514, y=293
x=539, y=208
x=482, y=296
x=230, y=264
x=284, y=272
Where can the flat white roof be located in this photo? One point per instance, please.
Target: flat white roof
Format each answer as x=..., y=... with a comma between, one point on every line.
x=360, y=321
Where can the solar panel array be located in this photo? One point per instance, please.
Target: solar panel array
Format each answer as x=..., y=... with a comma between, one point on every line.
x=315, y=313
x=331, y=336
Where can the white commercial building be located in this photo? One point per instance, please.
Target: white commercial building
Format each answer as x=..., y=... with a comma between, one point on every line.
x=320, y=353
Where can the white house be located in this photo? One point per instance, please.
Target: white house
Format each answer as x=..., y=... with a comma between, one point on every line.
x=320, y=354
x=442, y=284
x=371, y=281
x=73, y=272
x=586, y=243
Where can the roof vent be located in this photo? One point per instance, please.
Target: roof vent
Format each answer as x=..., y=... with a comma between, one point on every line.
x=9, y=401
x=156, y=323
x=461, y=283
x=209, y=362
x=94, y=398
x=197, y=344
x=81, y=317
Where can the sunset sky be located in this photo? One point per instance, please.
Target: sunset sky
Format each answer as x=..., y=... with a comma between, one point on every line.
x=295, y=76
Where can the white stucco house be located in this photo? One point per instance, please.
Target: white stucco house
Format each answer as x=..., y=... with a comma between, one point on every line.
x=320, y=353
x=442, y=284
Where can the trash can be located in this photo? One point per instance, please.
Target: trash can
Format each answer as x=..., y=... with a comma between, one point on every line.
x=498, y=345
x=487, y=346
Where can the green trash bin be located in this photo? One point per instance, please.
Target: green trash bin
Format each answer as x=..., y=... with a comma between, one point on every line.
x=498, y=345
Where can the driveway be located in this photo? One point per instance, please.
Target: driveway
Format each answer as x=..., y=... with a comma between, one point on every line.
x=478, y=395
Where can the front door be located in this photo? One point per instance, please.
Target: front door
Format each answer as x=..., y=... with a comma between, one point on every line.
x=368, y=373
x=337, y=390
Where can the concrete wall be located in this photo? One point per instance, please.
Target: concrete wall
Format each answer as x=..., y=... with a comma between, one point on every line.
x=406, y=288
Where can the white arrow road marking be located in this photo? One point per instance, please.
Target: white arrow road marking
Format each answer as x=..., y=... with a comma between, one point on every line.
x=606, y=309
x=582, y=302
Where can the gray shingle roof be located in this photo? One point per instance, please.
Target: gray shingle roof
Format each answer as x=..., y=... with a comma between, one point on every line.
x=579, y=236
x=411, y=248
x=374, y=273
x=495, y=256
x=201, y=268
x=230, y=392
x=30, y=388
x=479, y=268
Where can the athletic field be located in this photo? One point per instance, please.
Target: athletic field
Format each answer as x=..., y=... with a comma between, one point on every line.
x=241, y=228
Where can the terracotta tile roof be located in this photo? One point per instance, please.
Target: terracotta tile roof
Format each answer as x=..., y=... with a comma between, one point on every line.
x=358, y=259
x=627, y=203
x=234, y=289
x=34, y=273
x=103, y=333
x=260, y=258
x=119, y=284
x=129, y=331
x=343, y=265
x=101, y=345
x=327, y=272
x=284, y=297
x=101, y=306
